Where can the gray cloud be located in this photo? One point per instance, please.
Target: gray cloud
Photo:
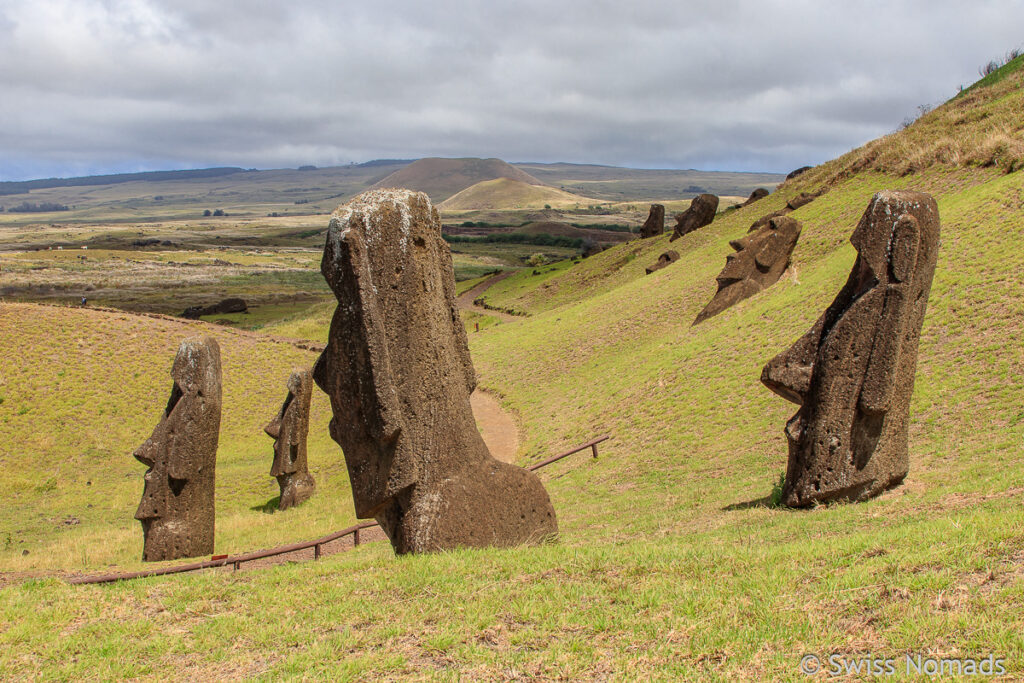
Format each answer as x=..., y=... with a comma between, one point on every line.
x=102, y=85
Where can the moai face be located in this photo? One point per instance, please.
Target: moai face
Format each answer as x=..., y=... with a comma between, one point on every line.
x=759, y=261
x=853, y=372
x=176, y=509
x=289, y=429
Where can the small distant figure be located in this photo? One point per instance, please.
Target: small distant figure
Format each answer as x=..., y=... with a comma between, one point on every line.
x=84, y=301
x=477, y=327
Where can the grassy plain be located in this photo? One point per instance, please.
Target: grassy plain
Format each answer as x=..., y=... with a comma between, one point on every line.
x=671, y=564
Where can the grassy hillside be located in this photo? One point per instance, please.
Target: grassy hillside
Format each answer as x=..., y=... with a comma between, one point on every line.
x=671, y=564
x=506, y=193
x=441, y=178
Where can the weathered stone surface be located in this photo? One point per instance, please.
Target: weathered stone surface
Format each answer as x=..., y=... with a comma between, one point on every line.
x=176, y=510
x=853, y=373
x=759, y=262
x=802, y=199
x=399, y=375
x=799, y=171
x=655, y=224
x=757, y=195
x=670, y=256
x=289, y=429
x=763, y=221
x=700, y=213
x=231, y=305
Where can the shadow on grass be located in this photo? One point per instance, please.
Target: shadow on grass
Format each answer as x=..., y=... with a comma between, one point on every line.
x=268, y=508
x=773, y=500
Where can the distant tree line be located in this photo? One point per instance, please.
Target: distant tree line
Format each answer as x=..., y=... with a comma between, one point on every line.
x=30, y=207
x=611, y=227
x=19, y=187
x=215, y=212
x=542, y=239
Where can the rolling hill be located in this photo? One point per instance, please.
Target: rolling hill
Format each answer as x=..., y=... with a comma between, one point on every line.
x=506, y=193
x=442, y=178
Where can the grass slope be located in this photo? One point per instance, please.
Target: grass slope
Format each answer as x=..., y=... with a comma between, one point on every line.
x=670, y=565
x=506, y=193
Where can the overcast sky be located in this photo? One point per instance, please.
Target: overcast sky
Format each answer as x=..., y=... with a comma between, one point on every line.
x=94, y=86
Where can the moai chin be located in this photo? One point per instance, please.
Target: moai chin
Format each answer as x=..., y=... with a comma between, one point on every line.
x=176, y=510
x=759, y=262
x=289, y=429
x=852, y=374
x=399, y=375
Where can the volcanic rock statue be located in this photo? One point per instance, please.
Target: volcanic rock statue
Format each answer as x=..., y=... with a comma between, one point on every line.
x=759, y=262
x=757, y=195
x=288, y=429
x=803, y=199
x=399, y=375
x=700, y=213
x=852, y=374
x=669, y=257
x=177, y=502
x=655, y=224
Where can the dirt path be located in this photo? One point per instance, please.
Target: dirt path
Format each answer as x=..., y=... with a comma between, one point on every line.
x=496, y=426
x=465, y=301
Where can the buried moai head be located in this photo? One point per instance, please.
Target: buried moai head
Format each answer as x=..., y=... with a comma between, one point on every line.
x=701, y=212
x=853, y=373
x=399, y=376
x=758, y=263
x=655, y=224
x=176, y=510
x=667, y=258
x=289, y=429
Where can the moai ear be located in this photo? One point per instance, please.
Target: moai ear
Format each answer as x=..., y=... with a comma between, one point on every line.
x=903, y=246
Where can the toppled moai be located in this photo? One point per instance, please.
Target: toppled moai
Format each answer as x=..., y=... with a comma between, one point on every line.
x=759, y=262
x=802, y=199
x=655, y=224
x=757, y=195
x=798, y=172
x=700, y=213
x=176, y=510
x=289, y=429
x=399, y=376
x=670, y=256
x=852, y=374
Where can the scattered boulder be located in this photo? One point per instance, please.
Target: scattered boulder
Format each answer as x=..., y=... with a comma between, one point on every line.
x=759, y=262
x=176, y=510
x=700, y=213
x=799, y=171
x=655, y=224
x=669, y=257
x=757, y=195
x=289, y=429
x=852, y=374
x=398, y=372
x=232, y=305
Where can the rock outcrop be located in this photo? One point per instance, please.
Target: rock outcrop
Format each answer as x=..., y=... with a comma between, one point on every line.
x=399, y=375
x=655, y=224
x=853, y=373
x=700, y=213
x=176, y=510
x=759, y=262
x=232, y=305
x=289, y=429
x=667, y=258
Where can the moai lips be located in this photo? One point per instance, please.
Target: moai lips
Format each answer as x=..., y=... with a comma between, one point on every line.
x=853, y=373
x=399, y=375
x=177, y=511
x=289, y=429
x=759, y=262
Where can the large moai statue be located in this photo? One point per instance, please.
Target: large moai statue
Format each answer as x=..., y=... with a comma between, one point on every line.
x=852, y=374
x=399, y=375
x=701, y=212
x=289, y=429
x=176, y=510
x=655, y=224
x=759, y=262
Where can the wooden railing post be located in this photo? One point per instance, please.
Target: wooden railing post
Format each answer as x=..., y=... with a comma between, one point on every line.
x=355, y=538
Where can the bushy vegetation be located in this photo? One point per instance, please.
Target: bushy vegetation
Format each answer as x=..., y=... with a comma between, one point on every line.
x=37, y=207
x=540, y=239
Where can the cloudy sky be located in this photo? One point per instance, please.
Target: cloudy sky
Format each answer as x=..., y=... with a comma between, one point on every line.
x=93, y=86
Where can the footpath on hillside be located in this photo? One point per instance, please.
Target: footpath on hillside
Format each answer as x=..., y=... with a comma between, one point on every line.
x=467, y=301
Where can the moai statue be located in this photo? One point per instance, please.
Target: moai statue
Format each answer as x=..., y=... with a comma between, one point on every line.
x=759, y=262
x=756, y=196
x=655, y=224
x=177, y=502
x=288, y=429
x=852, y=374
x=399, y=375
x=667, y=258
x=700, y=213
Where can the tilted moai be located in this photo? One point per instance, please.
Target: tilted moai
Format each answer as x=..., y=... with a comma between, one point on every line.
x=759, y=262
x=756, y=196
x=399, y=375
x=289, y=429
x=701, y=212
x=667, y=258
x=852, y=374
x=655, y=224
x=176, y=510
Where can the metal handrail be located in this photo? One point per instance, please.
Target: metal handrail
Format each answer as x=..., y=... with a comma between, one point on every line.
x=236, y=560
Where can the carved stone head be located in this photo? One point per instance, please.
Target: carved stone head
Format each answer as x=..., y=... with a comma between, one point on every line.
x=177, y=509
x=289, y=429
